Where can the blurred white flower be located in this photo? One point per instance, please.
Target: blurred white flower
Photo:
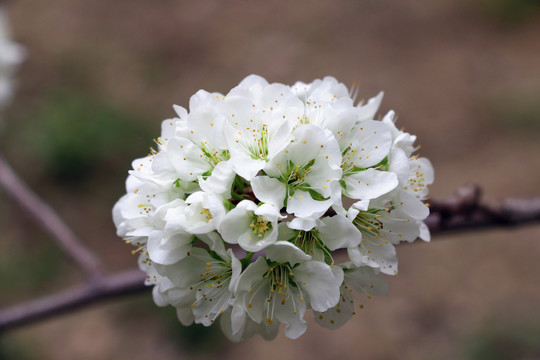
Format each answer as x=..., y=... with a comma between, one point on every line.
x=11, y=55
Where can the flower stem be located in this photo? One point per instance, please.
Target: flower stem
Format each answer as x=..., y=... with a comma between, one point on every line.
x=247, y=260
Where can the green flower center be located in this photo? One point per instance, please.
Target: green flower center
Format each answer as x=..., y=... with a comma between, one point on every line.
x=214, y=157
x=259, y=150
x=310, y=242
x=260, y=226
x=369, y=222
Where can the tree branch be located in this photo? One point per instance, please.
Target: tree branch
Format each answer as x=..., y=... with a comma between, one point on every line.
x=461, y=211
x=45, y=216
x=465, y=210
x=108, y=287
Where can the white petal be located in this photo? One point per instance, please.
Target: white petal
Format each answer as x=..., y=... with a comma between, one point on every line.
x=180, y=111
x=181, y=297
x=291, y=313
x=286, y=252
x=424, y=232
x=252, y=80
x=280, y=139
x=301, y=204
x=338, y=232
x=185, y=316
x=269, y=212
x=307, y=146
x=368, y=111
x=214, y=242
x=317, y=279
x=338, y=315
x=220, y=181
x=188, y=270
x=238, y=317
x=236, y=267
x=370, y=184
x=253, y=289
x=246, y=166
x=302, y=224
x=181, y=157
x=250, y=242
x=236, y=223
x=166, y=248
x=399, y=164
x=159, y=298
x=285, y=233
x=412, y=206
x=269, y=190
x=372, y=142
x=375, y=253
x=232, y=332
x=366, y=280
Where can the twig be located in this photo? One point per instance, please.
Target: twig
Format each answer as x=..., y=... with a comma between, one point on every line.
x=49, y=220
x=108, y=287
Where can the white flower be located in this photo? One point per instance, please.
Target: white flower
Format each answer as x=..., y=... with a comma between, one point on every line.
x=236, y=325
x=401, y=139
x=364, y=173
x=206, y=282
x=384, y=224
x=134, y=213
x=202, y=214
x=319, y=238
x=363, y=280
x=421, y=175
x=280, y=287
x=300, y=175
x=250, y=226
x=327, y=89
x=239, y=211
x=260, y=119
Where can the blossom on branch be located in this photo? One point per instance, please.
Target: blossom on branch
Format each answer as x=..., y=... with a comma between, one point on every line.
x=242, y=207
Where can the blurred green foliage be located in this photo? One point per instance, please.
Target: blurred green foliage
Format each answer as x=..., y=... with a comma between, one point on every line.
x=195, y=339
x=510, y=12
x=517, y=113
x=26, y=269
x=10, y=350
x=74, y=134
x=505, y=339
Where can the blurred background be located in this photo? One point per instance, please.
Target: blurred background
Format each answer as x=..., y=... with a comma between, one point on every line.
x=101, y=75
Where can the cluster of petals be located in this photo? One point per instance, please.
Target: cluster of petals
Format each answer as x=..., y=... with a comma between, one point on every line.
x=240, y=211
x=11, y=55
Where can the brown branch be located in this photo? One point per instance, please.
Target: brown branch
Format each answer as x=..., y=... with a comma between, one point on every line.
x=465, y=210
x=461, y=211
x=108, y=287
x=49, y=220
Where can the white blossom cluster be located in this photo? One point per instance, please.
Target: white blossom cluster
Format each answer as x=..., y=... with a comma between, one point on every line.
x=11, y=55
x=240, y=210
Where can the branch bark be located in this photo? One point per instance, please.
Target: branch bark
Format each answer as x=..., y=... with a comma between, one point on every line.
x=465, y=210
x=49, y=220
x=108, y=287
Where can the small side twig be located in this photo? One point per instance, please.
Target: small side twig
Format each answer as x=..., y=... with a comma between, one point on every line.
x=49, y=221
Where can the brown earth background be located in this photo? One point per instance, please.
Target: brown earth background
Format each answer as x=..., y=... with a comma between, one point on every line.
x=101, y=75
